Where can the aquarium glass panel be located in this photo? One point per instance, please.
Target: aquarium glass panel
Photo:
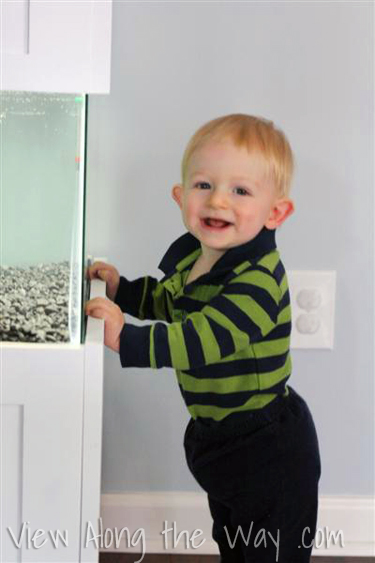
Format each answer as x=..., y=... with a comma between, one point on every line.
x=42, y=172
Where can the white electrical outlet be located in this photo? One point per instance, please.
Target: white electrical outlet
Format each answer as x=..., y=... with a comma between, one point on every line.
x=312, y=296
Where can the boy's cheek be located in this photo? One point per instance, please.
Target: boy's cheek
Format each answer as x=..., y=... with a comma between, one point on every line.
x=192, y=211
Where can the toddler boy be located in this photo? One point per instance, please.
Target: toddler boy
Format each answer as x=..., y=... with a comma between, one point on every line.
x=251, y=441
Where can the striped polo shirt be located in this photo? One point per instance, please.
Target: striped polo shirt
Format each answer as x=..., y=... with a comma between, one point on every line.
x=227, y=333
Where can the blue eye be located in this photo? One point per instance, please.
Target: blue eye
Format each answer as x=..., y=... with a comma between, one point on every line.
x=203, y=185
x=241, y=191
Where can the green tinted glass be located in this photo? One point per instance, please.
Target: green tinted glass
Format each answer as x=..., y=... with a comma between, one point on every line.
x=42, y=159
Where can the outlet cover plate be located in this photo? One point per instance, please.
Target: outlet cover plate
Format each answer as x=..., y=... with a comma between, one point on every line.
x=312, y=296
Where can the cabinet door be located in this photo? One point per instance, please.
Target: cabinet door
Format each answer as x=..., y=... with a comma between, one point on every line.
x=56, y=46
x=41, y=452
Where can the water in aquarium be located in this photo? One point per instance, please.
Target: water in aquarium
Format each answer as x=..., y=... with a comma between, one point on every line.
x=42, y=173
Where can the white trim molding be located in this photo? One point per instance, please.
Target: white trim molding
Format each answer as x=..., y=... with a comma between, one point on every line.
x=180, y=522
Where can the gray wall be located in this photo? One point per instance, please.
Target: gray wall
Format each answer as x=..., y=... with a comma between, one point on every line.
x=309, y=67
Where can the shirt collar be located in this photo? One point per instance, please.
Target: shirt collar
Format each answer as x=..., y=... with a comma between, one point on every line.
x=186, y=244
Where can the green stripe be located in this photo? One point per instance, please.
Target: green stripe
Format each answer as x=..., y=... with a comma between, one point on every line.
x=145, y=285
x=284, y=315
x=205, y=293
x=235, y=383
x=188, y=259
x=270, y=260
x=245, y=353
x=218, y=413
x=211, y=348
x=158, y=301
x=241, y=339
x=284, y=285
x=152, y=349
x=169, y=304
x=242, y=267
x=254, y=311
x=220, y=385
x=177, y=346
x=259, y=350
x=262, y=280
x=267, y=380
x=269, y=348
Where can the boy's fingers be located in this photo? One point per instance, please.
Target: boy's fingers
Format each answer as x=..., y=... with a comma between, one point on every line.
x=97, y=300
x=90, y=273
x=97, y=265
x=96, y=303
x=100, y=306
x=97, y=313
x=103, y=274
x=97, y=269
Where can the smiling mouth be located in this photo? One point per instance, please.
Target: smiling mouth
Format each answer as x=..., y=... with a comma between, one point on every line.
x=215, y=223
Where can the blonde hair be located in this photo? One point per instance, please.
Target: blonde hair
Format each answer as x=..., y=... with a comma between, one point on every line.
x=258, y=135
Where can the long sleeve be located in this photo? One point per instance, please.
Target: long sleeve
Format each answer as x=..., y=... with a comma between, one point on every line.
x=243, y=313
x=144, y=298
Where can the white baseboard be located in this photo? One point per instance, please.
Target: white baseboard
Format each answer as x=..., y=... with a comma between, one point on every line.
x=345, y=524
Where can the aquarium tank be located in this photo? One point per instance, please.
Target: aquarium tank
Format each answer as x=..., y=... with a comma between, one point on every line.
x=42, y=191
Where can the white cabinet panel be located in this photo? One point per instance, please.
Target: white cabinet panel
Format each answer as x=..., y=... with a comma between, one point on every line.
x=50, y=457
x=11, y=417
x=42, y=450
x=56, y=45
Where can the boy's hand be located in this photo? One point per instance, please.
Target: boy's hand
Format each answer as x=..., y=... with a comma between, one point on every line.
x=107, y=273
x=102, y=308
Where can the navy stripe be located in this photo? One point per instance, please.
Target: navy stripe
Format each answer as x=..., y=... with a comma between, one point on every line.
x=193, y=344
x=223, y=337
x=168, y=307
x=247, y=366
x=240, y=319
x=225, y=369
x=183, y=246
x=285, y=300
x=279, y=387
x=279, y=272
x=230, y=400
x=188, y=304
x=161, y=346
x=281, y=331
x=271, y=363
x=148, y=306
x=259, y=294
x=229, y=277
x=207, y=279
x=262, y=244
x=259, y=268
x=167, y=316
x=167, y=276
x=135, y=346
x=129, y=297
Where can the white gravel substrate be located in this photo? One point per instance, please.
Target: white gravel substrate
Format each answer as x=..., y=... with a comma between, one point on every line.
x=34, y=303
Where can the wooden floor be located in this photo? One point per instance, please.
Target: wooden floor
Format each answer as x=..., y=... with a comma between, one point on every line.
x=131, y=558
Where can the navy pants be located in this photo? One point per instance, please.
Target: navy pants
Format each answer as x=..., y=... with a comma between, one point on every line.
x=261, y=472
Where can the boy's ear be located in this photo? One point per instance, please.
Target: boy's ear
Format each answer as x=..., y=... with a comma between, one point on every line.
x=177, y=192
x=280, y=211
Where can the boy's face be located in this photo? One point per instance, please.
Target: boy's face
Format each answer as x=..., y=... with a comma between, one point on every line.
x=227, y=199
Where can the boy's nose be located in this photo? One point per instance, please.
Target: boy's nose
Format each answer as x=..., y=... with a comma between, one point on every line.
x=218, y=199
